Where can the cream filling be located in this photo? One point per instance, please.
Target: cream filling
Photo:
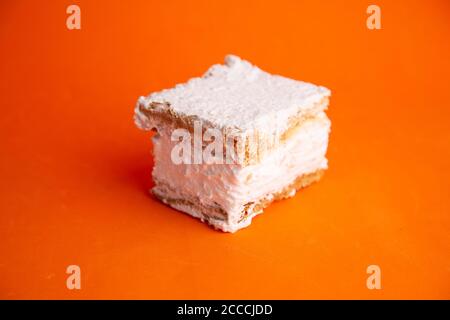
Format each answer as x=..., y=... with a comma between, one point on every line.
x=232, y=186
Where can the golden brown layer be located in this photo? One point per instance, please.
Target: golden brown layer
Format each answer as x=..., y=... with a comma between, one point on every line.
x=247, y=146
x=217, y=214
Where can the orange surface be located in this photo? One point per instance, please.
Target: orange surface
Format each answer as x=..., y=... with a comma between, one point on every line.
x=75, y=171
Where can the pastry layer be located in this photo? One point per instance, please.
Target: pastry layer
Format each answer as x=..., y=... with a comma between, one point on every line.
x=217, y=217
x=238, y=99
x=243, y=142
x=240, y=88
x=230, y=189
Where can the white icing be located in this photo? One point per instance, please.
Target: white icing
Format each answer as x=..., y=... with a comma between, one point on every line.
x=241, y=96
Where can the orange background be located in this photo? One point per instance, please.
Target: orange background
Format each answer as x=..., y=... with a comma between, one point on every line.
x=75, y=170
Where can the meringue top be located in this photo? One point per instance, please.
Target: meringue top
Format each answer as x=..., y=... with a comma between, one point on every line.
x=241, y=96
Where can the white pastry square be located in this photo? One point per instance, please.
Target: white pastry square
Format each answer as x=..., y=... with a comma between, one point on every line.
x=229, y=143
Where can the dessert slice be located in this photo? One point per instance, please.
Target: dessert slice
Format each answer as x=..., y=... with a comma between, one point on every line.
x=229, y=143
